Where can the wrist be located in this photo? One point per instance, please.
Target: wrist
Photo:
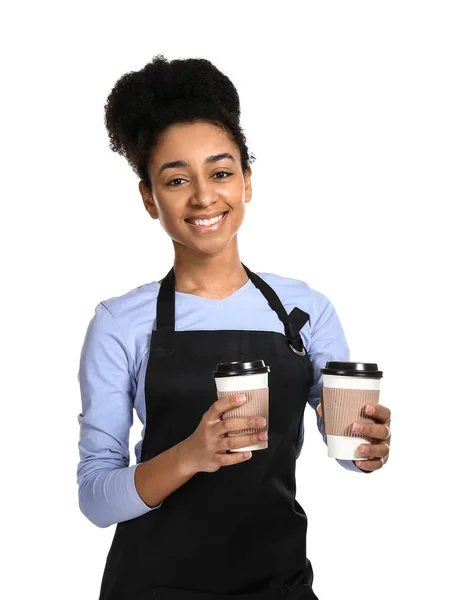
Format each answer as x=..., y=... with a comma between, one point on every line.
x=184, y=459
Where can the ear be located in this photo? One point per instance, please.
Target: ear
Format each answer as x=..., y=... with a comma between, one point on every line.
x=248, y=184
x=148, y=201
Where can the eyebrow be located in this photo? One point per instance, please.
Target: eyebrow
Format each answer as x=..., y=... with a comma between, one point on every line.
x=181, y=163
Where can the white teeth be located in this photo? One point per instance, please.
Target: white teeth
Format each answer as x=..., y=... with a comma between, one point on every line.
x=206, y=222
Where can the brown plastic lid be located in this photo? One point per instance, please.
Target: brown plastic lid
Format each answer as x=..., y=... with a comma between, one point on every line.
x=352, y=369
x=230, y=369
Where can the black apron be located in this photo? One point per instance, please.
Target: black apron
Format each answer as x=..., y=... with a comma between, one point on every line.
x=237, y=532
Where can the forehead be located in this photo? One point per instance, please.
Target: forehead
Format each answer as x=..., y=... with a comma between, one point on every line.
x=182, y=140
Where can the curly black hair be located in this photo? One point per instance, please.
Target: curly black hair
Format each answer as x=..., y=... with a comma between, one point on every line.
x=143, y=103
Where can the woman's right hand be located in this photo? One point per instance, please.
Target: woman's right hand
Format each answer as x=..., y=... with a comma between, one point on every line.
x=205, y=449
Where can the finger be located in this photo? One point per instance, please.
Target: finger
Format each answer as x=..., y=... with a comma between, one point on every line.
x=379, y=412
x=369, y=465
x=222, y=405
x=374, y=450
x=373, y=430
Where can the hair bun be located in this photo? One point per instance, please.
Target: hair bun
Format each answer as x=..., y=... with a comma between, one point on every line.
x=192, y=80
x=143, y=103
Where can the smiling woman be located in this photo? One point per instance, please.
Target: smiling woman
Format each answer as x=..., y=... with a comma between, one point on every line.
x=181, y=134
x=195, y=506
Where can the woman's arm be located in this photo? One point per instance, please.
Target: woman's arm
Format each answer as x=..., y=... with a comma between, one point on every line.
x=107, y=490
x=158, y=477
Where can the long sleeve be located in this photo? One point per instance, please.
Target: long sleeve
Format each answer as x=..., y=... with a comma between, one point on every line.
x=328, y=342
x=107, y=492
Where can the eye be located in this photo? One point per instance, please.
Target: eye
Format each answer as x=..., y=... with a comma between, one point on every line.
x=225, y=173
x=177, y=179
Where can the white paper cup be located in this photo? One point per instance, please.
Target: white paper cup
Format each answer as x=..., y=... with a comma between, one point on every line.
x=344, y=398
x=255, y=387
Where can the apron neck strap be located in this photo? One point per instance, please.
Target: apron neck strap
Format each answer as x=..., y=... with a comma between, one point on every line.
x=293, y=322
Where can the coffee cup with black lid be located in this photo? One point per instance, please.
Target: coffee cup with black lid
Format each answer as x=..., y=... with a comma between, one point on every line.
x=347, y=388
x=249, y=378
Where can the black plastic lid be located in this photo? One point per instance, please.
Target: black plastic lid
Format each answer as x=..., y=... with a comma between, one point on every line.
x=352, y=369
x=229, y=369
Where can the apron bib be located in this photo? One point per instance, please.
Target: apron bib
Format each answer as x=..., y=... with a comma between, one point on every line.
x=238, y=532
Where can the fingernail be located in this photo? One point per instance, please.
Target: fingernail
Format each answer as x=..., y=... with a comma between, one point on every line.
x=356, y=427
x=240, y=398
x=362, y=449
x=370, y=410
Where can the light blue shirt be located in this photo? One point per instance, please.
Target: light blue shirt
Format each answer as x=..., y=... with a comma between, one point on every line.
x=113, y=365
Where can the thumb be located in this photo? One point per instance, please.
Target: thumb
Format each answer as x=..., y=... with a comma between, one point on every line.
x=318, y=408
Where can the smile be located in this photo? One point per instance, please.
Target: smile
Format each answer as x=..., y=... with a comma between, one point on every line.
x=214, y=226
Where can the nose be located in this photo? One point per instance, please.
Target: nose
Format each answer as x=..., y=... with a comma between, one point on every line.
x=203, y=195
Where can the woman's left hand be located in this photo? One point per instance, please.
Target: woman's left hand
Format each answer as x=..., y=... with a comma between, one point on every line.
x=378, y=451
x=380, y=435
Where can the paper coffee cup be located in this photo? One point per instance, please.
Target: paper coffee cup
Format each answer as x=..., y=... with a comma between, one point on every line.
x=347, y=388
x=249, y=378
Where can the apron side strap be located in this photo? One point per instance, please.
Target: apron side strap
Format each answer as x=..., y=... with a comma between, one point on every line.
x=297, y=319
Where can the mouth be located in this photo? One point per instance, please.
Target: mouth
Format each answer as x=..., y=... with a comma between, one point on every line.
x=213, y=227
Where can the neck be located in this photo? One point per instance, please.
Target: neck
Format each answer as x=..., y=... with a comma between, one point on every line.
x=200, y=274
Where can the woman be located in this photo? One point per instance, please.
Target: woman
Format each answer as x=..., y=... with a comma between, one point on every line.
x=195, y=520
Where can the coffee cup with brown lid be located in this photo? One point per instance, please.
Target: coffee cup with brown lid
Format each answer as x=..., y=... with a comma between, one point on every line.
x=347, y=388
x=249, y=378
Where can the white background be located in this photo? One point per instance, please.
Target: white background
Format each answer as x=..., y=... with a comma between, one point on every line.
x=346, y=105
